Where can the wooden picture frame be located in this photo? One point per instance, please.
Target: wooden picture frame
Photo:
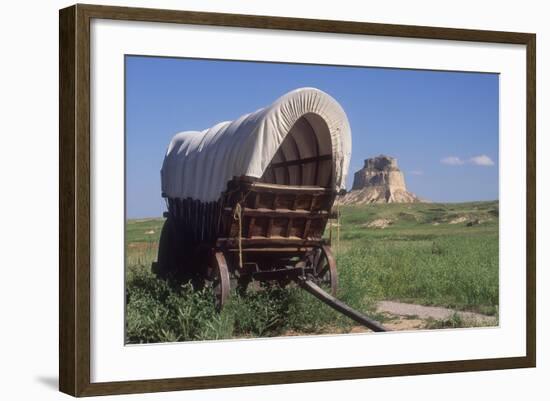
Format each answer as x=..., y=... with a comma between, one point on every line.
x=74, y=199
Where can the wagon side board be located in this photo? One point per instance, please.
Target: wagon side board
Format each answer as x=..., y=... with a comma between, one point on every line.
x=275, y=211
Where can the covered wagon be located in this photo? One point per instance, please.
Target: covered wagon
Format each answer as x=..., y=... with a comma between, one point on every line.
x=249, y=199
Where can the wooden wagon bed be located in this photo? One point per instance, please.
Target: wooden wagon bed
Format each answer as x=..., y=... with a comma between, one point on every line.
x=256, y=231
x=270, y=211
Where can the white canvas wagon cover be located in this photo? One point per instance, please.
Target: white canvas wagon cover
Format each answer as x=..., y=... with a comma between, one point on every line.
x=199, y=164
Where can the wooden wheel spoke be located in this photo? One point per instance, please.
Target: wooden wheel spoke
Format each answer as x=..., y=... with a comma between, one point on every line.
x=325, y=269
x=322, y=273
x=317, y=257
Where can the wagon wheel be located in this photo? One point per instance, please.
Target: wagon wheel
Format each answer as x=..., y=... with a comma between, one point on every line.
x=219, y=275
x=324, y=267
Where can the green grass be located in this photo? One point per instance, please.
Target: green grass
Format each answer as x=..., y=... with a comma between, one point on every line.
x=420, y=258
x=157, y=312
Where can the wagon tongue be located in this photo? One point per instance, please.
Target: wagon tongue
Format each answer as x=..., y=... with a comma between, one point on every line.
x=338, y=305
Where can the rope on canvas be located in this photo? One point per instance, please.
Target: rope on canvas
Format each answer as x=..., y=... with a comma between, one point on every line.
x=237, y=215
x=331, y=222
x=330, y=231
x=338, y=228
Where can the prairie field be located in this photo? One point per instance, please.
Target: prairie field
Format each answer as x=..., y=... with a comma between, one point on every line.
x=432, y=254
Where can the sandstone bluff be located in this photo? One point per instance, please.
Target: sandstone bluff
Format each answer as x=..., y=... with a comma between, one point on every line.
x=379, y=181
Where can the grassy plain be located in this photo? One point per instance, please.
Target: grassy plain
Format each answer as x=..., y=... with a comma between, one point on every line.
x=427, y=253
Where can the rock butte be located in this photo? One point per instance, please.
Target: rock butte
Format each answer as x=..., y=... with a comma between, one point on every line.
x=379, y=181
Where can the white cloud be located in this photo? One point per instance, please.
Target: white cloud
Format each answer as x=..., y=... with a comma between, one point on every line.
x=452, y=160
x=482, y=160
x=416, y=172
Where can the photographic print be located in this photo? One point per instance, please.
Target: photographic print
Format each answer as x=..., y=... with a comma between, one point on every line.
x=275, y=199
x=312, y=199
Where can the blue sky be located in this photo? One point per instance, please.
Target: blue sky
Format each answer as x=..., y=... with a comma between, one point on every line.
x=441, y=126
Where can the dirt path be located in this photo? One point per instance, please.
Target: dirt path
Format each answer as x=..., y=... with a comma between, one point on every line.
x=400, y=316
x=404, y=316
